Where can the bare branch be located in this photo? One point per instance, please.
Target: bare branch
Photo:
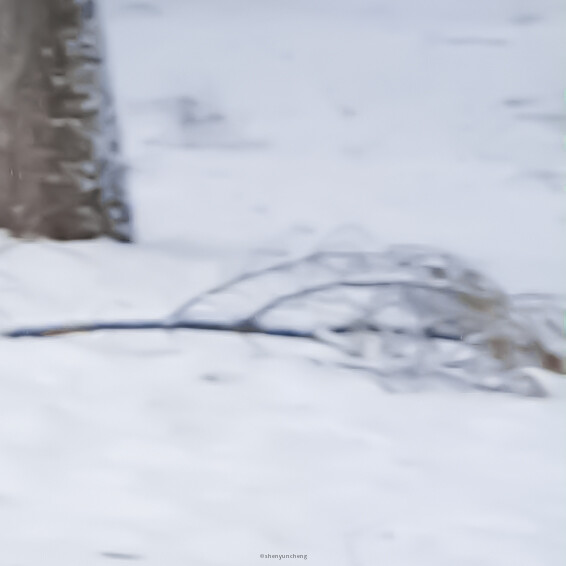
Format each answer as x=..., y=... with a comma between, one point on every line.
x=282, y=266
x=353, y=284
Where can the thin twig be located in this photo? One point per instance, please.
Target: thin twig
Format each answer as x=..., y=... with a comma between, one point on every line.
x=255, y=273
x=328, y=286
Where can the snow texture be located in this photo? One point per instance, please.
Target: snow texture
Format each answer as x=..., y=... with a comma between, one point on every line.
x=252, y=129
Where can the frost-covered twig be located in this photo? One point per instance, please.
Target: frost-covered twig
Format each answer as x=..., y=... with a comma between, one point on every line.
x=395, y=305
x=248, y=275
x=352, y=284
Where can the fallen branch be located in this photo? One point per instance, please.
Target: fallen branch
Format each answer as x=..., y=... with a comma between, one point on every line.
x=444, y=299
x=242, y=327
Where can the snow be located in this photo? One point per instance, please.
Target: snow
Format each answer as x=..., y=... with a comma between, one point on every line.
x=254, y=129
x=157, y=446
x=326, y=108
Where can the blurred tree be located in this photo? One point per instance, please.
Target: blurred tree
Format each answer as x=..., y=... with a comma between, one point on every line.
x=60, y=175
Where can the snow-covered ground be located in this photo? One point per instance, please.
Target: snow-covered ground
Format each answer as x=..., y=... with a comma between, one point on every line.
x=257, y=127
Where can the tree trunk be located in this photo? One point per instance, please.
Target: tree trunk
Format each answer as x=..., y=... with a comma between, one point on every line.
x=60, y=176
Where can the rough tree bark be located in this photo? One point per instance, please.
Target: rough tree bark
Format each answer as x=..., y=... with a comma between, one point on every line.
x=60, y=176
